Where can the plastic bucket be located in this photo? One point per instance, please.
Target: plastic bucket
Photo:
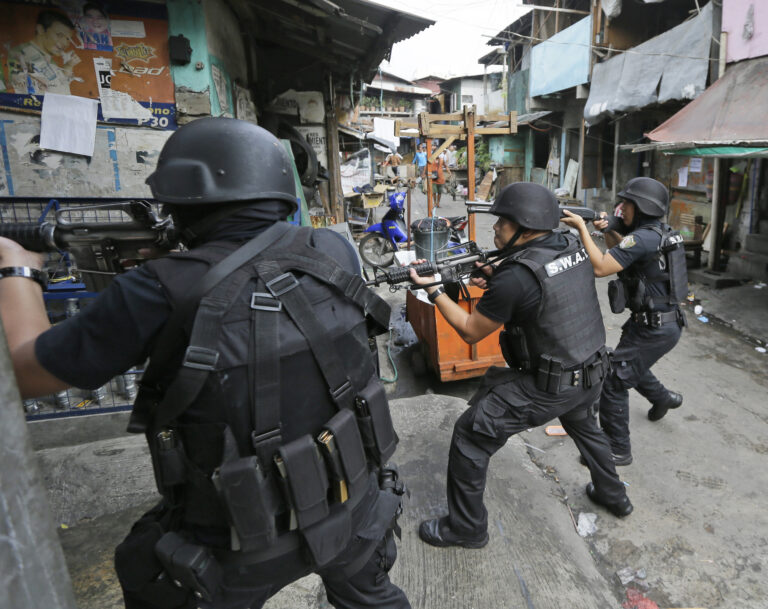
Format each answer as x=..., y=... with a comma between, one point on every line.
x=429, y=236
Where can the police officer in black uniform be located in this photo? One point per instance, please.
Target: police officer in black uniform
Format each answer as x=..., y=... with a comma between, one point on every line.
x=543, y=293
x=650, y=261
x=267, y=425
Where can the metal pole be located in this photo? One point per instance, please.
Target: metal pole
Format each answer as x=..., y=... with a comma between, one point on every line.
x=33, y=572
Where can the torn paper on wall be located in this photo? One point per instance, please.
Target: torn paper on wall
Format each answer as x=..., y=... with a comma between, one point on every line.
x=116, y=104
x=121, y=28
x=307, y=105
x=315, y=135
x=244, y=107
x=220, y=83
x=68, y=123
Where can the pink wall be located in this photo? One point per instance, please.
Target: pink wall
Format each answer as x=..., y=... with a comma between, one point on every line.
x=739, y=15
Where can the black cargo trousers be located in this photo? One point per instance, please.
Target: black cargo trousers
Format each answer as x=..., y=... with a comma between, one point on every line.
x=357, y=579
x=369, y=587
x=639, y=348
x=507, y=404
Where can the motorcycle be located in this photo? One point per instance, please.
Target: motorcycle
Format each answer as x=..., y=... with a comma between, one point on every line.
x=377, y=248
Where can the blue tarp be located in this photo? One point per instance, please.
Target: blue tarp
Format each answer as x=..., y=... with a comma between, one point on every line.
x=562, y=62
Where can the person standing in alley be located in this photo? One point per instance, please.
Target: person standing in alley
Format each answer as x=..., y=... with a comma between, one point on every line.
x=543, y=293
x=438, y=171
x=652, y=280
x=420, y=160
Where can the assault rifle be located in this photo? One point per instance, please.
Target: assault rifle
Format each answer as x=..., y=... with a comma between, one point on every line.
x=100, y=248
x=455, y=268
x=452, y=268
x=481, y=207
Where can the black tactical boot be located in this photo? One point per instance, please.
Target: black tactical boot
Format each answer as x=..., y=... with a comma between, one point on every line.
x=618, y=460
x=437, y=532
x=674, y=400
x=620, y=509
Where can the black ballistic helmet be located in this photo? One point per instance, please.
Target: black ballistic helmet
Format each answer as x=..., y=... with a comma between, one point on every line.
x=650, y=196
x=532, y=206
x=222, y=160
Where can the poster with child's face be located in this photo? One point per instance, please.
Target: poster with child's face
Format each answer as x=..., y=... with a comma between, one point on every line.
x=76, y=47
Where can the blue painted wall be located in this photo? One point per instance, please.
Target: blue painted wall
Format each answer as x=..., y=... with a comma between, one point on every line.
x=188, y=18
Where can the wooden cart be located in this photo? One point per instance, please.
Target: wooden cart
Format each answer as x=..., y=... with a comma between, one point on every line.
x=444, y=351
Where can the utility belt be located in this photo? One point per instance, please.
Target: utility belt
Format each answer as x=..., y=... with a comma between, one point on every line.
x=656, y=319
x=551, y=377
x=303, y=487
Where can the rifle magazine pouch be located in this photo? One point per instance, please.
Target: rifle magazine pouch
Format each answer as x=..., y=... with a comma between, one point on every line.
x=307, y=480
x=375, y=422
x=248, y=497
x=325, y=540
x=140, y=572
x=193, y=566
x=616, y=296
x=514, y=348
x=345, y=431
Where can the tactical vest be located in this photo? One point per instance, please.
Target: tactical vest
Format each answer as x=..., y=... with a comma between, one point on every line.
x=268, y=419
x=666, y=269
x=568, y=330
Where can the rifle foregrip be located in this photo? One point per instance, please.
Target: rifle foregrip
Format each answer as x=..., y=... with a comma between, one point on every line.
x=29, y=235
x=404, y=273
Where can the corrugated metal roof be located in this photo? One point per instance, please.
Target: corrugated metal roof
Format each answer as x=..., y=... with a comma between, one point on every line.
x=732, y=111
x=299, y=42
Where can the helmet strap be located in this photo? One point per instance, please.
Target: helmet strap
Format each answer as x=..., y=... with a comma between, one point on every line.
x=511, y=243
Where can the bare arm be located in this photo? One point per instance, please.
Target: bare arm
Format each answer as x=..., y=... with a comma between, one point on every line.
x=24, y=318
x=471, y=327
x=603, y=264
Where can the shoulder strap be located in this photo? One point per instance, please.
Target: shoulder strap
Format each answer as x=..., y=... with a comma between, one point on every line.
x=172, y=339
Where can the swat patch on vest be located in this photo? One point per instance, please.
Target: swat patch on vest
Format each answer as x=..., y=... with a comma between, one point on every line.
x=566, y=262
x=627, y=242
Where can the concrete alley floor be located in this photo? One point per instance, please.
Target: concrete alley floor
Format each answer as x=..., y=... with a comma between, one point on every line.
x=698, y=536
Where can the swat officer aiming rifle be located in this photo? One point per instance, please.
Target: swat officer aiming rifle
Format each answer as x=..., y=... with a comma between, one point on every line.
x=543, y=293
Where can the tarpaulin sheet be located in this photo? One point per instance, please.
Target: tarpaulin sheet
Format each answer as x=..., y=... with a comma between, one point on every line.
x=731, y=111
x=673, y=65
x=562, y=61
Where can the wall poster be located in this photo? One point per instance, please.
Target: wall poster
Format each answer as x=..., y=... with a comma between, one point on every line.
x=117, y=55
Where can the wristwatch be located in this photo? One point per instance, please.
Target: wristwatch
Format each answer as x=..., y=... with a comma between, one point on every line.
x=433, y=296
x=26, y=271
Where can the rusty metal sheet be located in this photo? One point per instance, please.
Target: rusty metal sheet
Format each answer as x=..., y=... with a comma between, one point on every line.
x=732, y=110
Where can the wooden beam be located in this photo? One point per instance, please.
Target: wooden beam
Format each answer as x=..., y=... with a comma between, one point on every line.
x=443, y=147
x=551, y=9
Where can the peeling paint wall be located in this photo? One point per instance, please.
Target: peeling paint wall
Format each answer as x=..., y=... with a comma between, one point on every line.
x=227, y=56
x=122, y=160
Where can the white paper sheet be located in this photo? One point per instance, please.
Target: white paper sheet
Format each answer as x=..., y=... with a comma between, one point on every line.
x=116, y=104
x=68, y=123
x=694, y=166
x=682, y=177
x=127, y=29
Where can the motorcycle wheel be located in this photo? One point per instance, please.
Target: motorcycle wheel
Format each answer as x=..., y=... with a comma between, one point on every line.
x=376, y=250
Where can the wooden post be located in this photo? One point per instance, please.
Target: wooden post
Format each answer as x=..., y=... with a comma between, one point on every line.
x=614, y=186
x=469, y=124
x=408, y=227
x=336, y=196
x=716, y=220
x=429, y=181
